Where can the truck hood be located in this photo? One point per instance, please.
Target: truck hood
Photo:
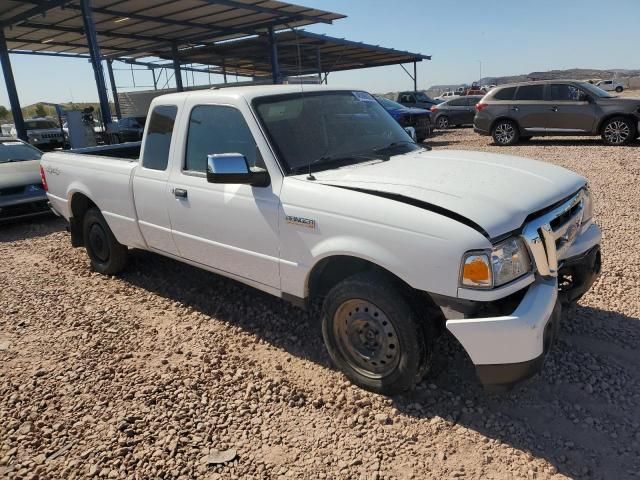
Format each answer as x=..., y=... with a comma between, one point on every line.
x=17, y=174
x=495, y=192
x=619, y=101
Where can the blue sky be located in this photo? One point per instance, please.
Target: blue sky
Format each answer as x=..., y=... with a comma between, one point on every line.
x=509, y=37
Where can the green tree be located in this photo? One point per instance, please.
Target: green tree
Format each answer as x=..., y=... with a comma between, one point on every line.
x=4, y=113
x=40, y=111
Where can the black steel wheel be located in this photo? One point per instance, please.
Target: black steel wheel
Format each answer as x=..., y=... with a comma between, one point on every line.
x=107, y=255
x=374, y=335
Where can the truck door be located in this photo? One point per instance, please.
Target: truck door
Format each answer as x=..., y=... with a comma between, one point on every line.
x=150, y=180
x=228, y=227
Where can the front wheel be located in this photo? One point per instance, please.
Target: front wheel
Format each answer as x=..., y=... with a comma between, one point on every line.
x=505, y=132
x=618, y=131
x=373, y=334
x=443, y=122
x=619, y=89
x=107, y=255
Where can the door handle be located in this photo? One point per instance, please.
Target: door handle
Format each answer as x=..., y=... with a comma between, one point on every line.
x=515, y=109
x=180, y=193
x=554, y=109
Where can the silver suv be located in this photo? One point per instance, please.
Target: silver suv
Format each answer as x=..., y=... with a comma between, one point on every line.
x=517, y=112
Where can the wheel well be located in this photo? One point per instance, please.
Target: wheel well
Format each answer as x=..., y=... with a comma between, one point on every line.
x=493, y=124
x=613, y=115
x=80, y=204
x=331, y=270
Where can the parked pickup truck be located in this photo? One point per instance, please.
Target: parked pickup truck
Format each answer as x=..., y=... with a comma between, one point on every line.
x=321, y=194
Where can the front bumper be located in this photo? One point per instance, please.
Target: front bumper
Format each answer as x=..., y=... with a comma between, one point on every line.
x=510, y=348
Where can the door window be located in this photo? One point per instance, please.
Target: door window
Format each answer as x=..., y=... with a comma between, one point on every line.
x=530, y=92
x=473, y=100
x=458, y=102
x=563, y=92
x=156, y=146
x=218, y=129
x=505, y=93
x=407, y=99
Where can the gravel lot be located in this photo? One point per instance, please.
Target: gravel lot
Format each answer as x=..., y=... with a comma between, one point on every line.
x=167, y=370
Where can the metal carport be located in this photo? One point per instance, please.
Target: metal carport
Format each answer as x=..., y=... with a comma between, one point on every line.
x=133, y=29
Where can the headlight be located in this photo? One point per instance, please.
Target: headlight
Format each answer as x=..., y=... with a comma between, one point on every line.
x=587, y=216
x=505, y=262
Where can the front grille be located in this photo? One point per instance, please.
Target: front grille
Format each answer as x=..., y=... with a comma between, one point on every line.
x=550, y=236
x=50, y=135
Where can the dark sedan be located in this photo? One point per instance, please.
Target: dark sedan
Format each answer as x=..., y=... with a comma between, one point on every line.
x=454, y=112
x=417, y=118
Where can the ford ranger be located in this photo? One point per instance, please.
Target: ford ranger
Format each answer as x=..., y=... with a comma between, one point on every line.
x=317, y=193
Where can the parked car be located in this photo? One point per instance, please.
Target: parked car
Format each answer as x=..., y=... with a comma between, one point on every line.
x=418, y=118
x=610, y=85
x=320, y=194
x=446, y=96
x=21, y=191
x=42, y=132
x=416, y=99
x=455, y=112
x=512, y=113
x=130, y=129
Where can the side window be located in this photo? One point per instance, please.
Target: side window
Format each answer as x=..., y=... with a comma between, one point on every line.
x=158, y=141
x=567, y=93
x=471, y=101
x=218, y=129
x=530, y=92
x=458, y=102
x=505, y=94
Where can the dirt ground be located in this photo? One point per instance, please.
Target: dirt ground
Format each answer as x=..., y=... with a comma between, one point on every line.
x=166, y=370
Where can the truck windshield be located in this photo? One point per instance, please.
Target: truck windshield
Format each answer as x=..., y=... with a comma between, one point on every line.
x=316, y=131
x=39, y=124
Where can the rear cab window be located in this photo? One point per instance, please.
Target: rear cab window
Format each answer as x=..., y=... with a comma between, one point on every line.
x=158, y=140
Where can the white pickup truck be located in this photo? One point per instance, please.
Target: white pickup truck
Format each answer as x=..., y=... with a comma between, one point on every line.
x=317, y=193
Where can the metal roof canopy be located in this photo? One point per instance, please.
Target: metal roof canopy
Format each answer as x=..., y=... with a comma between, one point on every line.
x=144, y=28
x=299, y=53
x=133, y=29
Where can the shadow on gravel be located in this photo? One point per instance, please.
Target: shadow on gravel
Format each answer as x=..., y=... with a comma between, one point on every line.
x=580, y=413
x=15, y=230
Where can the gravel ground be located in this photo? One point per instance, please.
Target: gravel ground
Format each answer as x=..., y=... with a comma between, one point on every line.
x=171, y=372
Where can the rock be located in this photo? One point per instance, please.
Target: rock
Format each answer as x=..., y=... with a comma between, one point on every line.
x=216, y=457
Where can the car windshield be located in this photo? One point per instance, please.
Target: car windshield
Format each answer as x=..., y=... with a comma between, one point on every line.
x=323, y=130
x=17, y=152
x=422, y=97
x=39, y=124
x=389, y=104
x=597, y=91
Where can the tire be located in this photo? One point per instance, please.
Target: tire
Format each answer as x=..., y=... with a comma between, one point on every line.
x=442, y=123
x=619, y=89
x=618, y=131
x=505, y=132
x=381, y=346
x=107, y=255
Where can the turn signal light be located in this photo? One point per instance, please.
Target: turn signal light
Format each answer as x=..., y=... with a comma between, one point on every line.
x=476, y=271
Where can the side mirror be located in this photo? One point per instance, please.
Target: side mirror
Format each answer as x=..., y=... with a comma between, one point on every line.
x=234, y=168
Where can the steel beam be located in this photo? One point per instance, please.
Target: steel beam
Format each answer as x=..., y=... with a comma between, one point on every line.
x=415, y=77
x=114, y=89
x=18, y=120
x=176, y=68
x=275, y=65
x=96, y=60
x=40, y=9
x=319, y=60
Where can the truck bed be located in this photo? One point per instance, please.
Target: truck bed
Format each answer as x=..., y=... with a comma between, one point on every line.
x=129, y=150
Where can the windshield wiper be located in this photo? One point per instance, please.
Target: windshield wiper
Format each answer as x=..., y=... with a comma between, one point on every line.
x=331, y=159
x=395, y=144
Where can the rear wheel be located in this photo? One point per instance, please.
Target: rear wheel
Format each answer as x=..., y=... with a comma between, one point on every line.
x=107, y=255
x=618, y=131
x=505, y=132
x=442, y=122
x=373, y=334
